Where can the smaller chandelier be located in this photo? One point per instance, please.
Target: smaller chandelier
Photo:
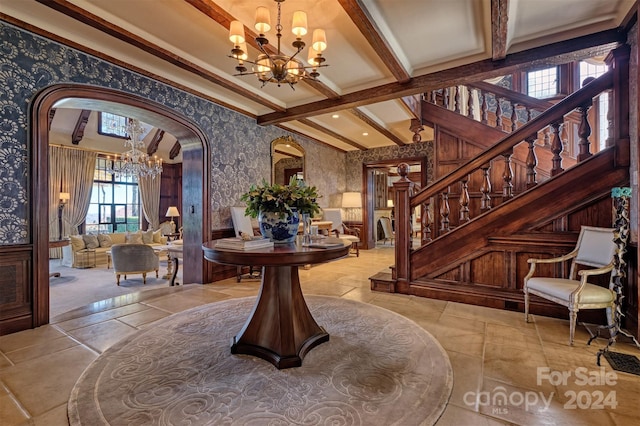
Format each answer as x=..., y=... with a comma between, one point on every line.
x=278, y=68
x=135, y=162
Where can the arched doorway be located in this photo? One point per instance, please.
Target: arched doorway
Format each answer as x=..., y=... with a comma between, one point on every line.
x=196, y=216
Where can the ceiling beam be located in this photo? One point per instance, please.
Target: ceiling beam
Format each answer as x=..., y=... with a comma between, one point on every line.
x=222, y=17
x=175, y=150
x=81, y=123
x=155, y=142
x=553, y=54
x=499, y=17
x=361, y=17
x=98, y=23
x=318, y=141
x=287, y=154
x=331, y=133
x=378, y=128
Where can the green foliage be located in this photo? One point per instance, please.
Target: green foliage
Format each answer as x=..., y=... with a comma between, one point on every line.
x=281, y=198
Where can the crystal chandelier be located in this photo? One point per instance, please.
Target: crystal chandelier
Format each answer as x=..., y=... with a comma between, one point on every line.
x=278, y=68
x=135, y=162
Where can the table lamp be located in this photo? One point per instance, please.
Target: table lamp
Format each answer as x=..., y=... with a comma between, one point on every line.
x=351, y=201
x=64, y=199
x=172, y=212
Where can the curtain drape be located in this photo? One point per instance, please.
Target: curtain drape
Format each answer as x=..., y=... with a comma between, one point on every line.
x=70, y=170
x=150, y=195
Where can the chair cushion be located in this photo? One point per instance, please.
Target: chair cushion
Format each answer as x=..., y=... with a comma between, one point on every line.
x=560, y=288
x=351, y=238
x=157, y=236
x=147, y=236
x=135, y=238
x=77, y=242
x=91, y=241
x=105, y=240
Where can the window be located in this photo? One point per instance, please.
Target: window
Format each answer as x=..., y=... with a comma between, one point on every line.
x=112, y=125
x=115, y=201
x=542, y=83
x=596, y=70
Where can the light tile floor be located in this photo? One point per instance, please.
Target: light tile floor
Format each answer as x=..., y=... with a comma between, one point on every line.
x=496, y=356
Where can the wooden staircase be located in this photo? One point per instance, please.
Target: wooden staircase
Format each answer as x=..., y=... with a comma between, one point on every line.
x=478, y=253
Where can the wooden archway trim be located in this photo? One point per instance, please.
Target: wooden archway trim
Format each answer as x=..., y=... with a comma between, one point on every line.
x=196, y=217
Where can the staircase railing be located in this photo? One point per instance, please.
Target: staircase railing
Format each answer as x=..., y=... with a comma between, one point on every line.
x=408, y=199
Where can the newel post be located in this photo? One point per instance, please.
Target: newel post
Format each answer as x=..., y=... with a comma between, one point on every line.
x=403, y=189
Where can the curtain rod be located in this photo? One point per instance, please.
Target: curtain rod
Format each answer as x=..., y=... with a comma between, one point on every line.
x=111, y=154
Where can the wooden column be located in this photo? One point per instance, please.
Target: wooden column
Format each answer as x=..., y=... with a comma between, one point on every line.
x=403, y=189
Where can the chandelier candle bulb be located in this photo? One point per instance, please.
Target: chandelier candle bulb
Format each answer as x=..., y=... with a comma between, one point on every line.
x=319, y=40
x=236, y=33
x=299, y=26
x=263, y=20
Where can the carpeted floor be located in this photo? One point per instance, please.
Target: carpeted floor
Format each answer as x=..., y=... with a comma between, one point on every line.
x=377, y=368
x=79, y=287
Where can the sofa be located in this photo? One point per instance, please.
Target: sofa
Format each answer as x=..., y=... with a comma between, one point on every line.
x=102, y=243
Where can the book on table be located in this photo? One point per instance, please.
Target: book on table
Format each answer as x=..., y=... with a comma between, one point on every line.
x=238, y=243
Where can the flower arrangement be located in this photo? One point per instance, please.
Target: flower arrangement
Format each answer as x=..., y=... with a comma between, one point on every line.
x=281, y=198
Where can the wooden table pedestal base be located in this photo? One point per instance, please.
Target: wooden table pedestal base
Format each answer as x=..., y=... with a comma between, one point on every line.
x=280, y=328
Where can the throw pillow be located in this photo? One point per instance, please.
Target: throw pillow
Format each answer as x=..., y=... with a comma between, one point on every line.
x=91, y=241
x=134, y=238
x=77, y=242
x=157, y=236
x=147, y=236
x=105, y=240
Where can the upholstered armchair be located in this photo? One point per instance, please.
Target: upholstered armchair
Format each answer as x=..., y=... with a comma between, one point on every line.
x=595, y=249
x=134, y=259
x=387, y=229
x=341, y=230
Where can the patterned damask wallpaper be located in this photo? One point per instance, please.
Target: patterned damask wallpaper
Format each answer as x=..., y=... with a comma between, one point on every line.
x=240, y=149
x=355, y=159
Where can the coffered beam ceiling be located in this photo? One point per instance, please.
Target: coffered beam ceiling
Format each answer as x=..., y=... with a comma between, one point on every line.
x=372, y=33
x=553, y=54
x=396, y=60
x=98, y=23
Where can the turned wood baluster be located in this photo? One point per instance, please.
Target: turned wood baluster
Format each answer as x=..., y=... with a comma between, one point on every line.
x=546, y=138
x=584, y=131
x=444, y=213
x=498, y=114
x=464, y=200
x=507, y=176
x=456, y=106
x=483, y=107
x=485, y=188
x=556, y=149
x=514, y=117
x=470, y=103
x=532, y=161
x=445, y=98
x=610, y=141
x=426, y=220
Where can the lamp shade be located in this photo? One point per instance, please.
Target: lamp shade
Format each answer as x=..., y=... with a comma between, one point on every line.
x=172, y=212
x=64, y=197
x=351, y=200
x=389, y=203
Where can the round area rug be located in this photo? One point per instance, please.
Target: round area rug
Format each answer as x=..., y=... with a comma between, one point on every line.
x=378, y=368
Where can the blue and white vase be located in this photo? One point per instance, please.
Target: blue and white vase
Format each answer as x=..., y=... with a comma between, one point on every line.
x=281, y=228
